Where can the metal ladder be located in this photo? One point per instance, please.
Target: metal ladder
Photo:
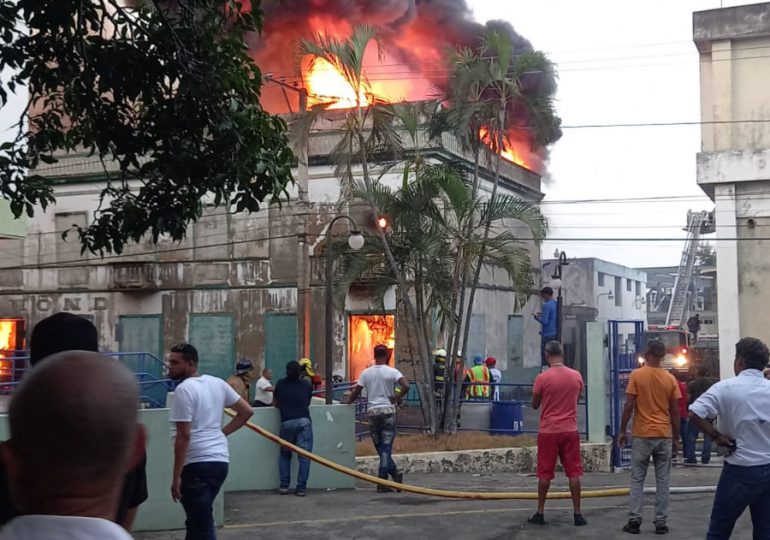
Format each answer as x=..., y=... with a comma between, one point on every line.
x=698, y=223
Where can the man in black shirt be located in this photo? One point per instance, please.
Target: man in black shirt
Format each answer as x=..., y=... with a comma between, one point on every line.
x=695, y=389
x=292, y=397
x=67, y=332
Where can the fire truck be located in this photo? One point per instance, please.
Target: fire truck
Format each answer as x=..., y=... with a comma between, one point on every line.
x=683, y=354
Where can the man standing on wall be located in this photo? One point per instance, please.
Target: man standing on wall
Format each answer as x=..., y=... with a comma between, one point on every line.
x=557, y=390
x=383, y=396
x=652, y=397
x=292, y=397
x=263, y=394
x=201, y=454
x=241, y=380
x=548, y=321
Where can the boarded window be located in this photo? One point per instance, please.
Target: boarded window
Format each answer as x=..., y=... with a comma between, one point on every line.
x=213, y=336
x=618, y=291
x=601, y=279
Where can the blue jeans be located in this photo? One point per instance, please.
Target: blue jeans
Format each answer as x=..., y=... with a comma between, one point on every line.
x=200, y=485
x=738, y=488
x=298, y=432
x=382, y=428
x=543, y=341
x=689, y=446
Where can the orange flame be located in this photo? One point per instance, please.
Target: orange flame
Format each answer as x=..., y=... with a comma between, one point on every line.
x=366, y=331
x=509, y=152
x=327, y=85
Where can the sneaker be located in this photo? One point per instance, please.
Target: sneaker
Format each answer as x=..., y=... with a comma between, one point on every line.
x=283, y=490
x=580, y=521
x=633, y=526
x=398, y=478
x=383, y=489
x=661, y=528
x=691, y=461
x=537, y=519
x=300, y=493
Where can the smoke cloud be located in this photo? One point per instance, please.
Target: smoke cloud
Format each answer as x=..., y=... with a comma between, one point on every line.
x=416, y=35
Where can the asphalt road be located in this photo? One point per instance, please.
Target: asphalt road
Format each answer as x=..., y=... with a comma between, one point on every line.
x=364, y=514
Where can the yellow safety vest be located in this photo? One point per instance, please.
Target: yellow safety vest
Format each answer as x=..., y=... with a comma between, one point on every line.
x=478, y=374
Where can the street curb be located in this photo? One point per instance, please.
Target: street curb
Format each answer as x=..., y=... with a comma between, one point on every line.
x=595, y=457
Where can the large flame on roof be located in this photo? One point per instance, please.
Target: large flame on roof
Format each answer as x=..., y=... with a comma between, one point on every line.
x=512, y=150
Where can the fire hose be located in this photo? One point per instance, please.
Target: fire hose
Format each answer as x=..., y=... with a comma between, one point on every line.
x=449, y=494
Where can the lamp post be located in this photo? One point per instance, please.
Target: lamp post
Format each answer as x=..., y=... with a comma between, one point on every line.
x=356, y=242
x=557, y=280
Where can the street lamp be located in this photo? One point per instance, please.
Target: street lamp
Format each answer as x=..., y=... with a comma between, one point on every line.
x=556, y=279
x=610, y=296
x=356, y=242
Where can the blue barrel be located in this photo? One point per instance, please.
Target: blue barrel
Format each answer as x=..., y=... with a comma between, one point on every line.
x=507, y=418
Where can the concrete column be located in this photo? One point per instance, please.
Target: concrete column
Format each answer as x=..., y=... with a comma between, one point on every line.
x=597, y=386
x=722, y=93
x=727, y=277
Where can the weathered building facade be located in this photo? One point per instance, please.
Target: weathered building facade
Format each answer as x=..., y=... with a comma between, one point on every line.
x=703, y=296
x=231, y=287
x=734, y=47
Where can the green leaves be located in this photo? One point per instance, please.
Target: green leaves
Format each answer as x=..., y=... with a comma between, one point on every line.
x=167, y=94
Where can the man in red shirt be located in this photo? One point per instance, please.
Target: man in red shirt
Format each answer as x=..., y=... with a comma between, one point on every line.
x=557, y=390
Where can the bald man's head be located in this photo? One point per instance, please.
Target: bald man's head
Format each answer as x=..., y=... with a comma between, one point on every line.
x=74, y=429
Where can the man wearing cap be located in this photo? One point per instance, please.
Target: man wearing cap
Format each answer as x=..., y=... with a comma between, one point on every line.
x=382, y=395
x=263, y=394
x=309, y=374
x=241, y=380
x=495, y=377
x=477, y=379
x=548, y=321
x=652, y=397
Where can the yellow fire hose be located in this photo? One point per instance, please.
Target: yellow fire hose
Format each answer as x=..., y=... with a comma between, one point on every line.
x=475, y=495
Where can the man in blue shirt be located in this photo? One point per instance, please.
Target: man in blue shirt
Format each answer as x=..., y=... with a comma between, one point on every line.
x=548, y=321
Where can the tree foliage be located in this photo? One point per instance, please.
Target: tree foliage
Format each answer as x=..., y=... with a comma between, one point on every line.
x=166, y=93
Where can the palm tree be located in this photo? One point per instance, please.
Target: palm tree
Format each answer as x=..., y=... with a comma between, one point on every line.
x=486, y=87
x=428, y=220
x=368, y=128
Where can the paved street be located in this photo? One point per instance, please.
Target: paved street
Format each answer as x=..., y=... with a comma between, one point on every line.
x=364, y=514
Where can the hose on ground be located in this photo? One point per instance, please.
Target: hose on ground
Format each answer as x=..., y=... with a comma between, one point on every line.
x=449, y=494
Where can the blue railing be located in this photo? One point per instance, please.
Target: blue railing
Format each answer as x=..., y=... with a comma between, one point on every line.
x=509, y=393
x=149, y=370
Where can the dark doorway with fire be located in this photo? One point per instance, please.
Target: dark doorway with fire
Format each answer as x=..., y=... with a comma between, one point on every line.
x=364, y=332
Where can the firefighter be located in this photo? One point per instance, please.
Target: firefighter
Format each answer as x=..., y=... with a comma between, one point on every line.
x=240, y=381
x=477, y=379
x=439, y=372
x=309, y=374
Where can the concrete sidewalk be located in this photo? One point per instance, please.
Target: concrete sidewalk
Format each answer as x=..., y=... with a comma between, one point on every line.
x=362, y=513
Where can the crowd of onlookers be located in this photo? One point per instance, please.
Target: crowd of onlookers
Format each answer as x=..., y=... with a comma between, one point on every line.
x=74, y=466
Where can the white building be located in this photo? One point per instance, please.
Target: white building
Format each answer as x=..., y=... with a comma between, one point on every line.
x=734, y=47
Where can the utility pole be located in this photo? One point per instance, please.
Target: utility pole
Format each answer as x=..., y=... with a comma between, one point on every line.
x=303, y=250
x=300, y=215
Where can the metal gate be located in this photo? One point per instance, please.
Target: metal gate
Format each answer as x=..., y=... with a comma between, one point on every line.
x=625, y=343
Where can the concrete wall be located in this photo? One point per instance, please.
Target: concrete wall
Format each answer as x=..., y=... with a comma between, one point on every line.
x=732, y=167
x=253, y=460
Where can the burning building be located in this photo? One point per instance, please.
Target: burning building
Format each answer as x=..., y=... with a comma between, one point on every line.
x=233, y=287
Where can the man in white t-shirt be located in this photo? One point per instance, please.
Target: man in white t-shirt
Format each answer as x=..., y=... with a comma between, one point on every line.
x=201, y=454
x=382, y=396
x=263, y=393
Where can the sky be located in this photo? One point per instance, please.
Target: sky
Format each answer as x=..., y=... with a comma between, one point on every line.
x=618, y=63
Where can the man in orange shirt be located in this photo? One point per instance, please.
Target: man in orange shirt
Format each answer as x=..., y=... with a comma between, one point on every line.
x=557, y=390
x=653, y=397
